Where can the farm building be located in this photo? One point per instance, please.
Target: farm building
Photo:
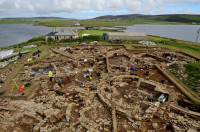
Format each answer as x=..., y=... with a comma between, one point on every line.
x=126, y=36
x=62, y=34
x=77, y=24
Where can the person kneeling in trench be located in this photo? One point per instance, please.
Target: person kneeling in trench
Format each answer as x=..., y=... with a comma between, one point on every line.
x=147, y=72
x=60, y=82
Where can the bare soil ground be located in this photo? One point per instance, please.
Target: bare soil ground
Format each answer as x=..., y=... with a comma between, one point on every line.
x=75, y=108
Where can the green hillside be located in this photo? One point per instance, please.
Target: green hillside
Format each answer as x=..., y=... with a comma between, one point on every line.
x=108, y=21
x=181, y=18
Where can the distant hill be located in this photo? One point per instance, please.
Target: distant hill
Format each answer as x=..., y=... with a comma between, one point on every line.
x=185, y=18
x=107, y=21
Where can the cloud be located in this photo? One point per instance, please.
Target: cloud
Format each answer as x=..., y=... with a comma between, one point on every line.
x=90, y=17
x=114, y=4
x=161, y=10
x=98, y=5
x=42, y=7
x=184, y=11
x=133, y=5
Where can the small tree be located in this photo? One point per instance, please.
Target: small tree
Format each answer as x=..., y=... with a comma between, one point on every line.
x=50, y=40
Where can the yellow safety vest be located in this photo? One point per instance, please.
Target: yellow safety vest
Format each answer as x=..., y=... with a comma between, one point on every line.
x=29, y=59
x=50, y=73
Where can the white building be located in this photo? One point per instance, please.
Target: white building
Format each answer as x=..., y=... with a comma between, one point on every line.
x=62, y=34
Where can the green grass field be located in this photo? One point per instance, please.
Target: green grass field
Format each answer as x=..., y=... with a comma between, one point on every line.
x=193, y=72
x=63, y=22
x=109, y=21
x=157, y=38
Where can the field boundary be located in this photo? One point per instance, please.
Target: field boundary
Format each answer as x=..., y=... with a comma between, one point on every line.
x=178, y=83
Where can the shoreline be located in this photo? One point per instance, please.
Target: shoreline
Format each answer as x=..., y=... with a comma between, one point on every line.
x=149, y=37
x=79, y=27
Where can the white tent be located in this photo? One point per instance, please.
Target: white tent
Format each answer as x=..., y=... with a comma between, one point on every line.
x=5, y=53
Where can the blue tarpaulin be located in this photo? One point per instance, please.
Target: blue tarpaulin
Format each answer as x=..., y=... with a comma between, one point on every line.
x=104, y=35
x=133, y=68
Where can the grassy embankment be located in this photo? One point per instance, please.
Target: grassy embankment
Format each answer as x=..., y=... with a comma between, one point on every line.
x=34, y=41
x=19, y=66
x=193, y=75
x=175, y=79
x=20, y=47
x=187, y=47
x=189, y=79
x=192, y=69
x=43, y=55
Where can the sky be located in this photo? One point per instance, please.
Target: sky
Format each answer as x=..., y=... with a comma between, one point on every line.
x=86, y=9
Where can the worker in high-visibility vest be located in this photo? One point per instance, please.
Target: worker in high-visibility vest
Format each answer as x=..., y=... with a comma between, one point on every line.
x=50, y=75
x=82, y=84
x=14, y=84
x=30, y=59
x=157, y=103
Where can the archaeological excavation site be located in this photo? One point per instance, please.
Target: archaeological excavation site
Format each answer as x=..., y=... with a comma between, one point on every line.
x=97, y=89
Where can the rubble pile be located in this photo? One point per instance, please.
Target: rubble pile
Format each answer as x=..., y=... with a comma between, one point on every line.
x=30, y=46
x=5, y=63
x=146, y=43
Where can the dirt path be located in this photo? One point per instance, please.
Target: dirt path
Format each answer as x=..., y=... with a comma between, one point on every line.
x=186, y=90
x=7, y=85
